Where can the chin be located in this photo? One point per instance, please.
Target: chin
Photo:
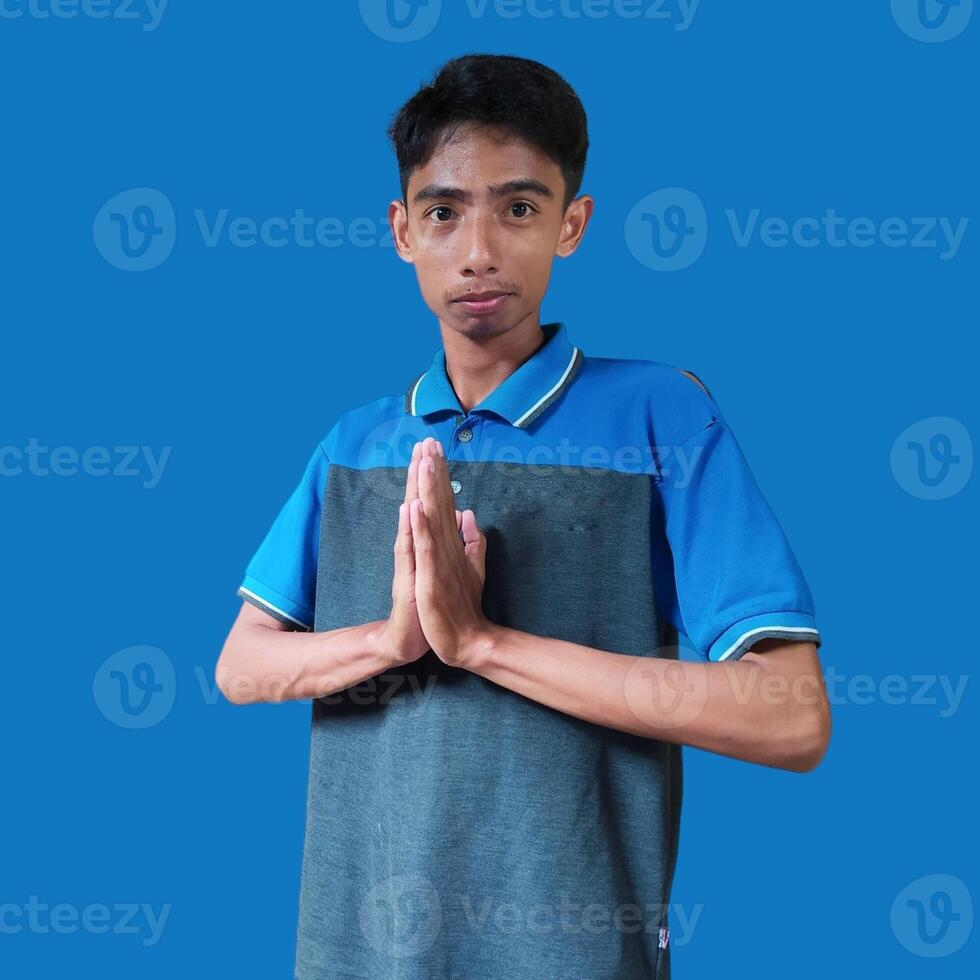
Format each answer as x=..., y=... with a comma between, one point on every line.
x=479, y=326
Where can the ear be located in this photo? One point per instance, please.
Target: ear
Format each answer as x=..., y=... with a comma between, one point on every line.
x=398, y=222
x=573, y=226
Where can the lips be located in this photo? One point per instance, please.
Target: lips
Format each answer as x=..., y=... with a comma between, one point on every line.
x=481, y=297
x=479, y=304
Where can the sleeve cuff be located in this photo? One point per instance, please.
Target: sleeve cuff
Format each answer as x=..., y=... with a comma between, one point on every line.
x=275, y=604
x=737, y=639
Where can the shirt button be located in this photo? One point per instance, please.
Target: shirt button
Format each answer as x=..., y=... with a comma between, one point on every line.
x=456, y=485
x=465, y=435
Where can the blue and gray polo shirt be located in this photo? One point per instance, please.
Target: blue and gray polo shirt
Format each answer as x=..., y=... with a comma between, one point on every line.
x=456, y=829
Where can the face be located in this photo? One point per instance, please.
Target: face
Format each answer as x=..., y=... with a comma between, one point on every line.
x=482, y=222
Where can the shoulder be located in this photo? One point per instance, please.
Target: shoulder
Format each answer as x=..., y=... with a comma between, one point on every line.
x=676, y=401
x=362, y=426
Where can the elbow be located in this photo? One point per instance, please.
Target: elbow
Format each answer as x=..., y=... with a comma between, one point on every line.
x=228, y=682
x=811, y=741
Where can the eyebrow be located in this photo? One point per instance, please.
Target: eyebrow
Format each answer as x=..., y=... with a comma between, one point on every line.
x=433, y=192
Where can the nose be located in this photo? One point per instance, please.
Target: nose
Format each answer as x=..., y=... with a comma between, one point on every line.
x=480, y=258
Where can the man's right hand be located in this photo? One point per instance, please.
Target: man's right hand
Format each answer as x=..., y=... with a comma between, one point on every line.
x=402, y=636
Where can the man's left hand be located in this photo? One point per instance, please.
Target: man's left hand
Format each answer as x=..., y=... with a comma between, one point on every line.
x=449, y=572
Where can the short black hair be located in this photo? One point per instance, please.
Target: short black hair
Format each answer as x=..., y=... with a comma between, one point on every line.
x=521, y=97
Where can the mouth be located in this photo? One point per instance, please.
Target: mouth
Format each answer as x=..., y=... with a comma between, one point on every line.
x=488, y=302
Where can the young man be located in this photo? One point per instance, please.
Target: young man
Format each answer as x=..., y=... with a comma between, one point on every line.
x=480, y=581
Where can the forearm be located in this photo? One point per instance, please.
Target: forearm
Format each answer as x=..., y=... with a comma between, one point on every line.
x=732, y=708
x=266, y=664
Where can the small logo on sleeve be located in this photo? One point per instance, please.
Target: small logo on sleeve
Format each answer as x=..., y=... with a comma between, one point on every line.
x=664, y=937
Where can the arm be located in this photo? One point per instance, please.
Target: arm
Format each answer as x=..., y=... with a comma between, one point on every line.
x=769, y=707
x=263, y=660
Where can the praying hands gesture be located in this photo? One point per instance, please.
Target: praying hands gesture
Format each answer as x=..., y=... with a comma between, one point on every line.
x=439, y=567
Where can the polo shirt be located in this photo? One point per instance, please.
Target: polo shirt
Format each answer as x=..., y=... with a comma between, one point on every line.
x=457, y=829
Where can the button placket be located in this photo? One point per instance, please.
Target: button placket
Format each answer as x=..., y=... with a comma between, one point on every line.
x=462, y=435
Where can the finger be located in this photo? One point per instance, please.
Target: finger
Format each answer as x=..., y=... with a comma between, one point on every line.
x=412, y=477
x=439, y=498
x=421, y=535
x=403, y=539
x=420, y=452
x=459, y=520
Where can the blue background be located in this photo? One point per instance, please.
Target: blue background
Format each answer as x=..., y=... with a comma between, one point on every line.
x=240, y=359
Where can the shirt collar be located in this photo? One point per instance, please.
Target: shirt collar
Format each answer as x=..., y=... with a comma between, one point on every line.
x=520, y=398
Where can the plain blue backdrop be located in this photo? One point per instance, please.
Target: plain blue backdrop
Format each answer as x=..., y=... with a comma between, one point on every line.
x=227, y=363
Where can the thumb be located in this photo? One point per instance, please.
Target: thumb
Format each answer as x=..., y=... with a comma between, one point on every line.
x=474, y=542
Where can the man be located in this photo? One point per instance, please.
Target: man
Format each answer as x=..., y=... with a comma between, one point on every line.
x=480, y=582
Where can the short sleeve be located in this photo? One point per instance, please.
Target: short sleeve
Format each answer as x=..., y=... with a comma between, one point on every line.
x=281, y=577
x=735, y=579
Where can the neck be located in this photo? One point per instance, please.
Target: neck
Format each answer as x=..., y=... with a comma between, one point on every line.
x=476, y=363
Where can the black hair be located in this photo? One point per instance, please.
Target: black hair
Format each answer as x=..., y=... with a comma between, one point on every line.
x=516, y=95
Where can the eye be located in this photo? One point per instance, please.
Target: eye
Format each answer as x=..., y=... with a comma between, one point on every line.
x=525, y=206
x=441, y=209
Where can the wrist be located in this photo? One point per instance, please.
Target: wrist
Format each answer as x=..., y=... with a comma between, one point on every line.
x=380, y=645
x=387, y=644
x=476, y=649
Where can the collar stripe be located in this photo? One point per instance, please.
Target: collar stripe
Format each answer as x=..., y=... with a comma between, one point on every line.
x=571, y=369
x=410, y=394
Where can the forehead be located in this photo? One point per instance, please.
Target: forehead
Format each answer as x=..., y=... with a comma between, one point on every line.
x=472, y=158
